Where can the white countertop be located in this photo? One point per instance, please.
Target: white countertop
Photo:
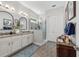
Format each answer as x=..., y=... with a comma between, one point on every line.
x=10, y=35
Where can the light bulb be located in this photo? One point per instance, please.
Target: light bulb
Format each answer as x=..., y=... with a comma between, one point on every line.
x=20, y=12
x=7, y=6
x=0, y=3
x=13, y=9
x=33, y=21
x=25, y=14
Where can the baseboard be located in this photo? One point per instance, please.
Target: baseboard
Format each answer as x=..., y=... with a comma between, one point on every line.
x=40, y=44
x=51, y=40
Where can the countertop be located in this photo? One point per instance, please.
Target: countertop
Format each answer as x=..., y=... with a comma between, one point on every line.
x=69, y=44
x=10, y=35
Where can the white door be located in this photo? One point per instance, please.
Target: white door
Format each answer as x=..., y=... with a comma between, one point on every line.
x=54, y=27
x=5, y=46
x=15, y=43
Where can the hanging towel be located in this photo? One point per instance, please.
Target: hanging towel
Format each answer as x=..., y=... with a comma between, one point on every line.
x=70, y=29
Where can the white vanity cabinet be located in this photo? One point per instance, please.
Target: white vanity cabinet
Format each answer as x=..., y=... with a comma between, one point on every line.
x=38, y=37
x=27, y=39
x=5, y=48
x=15, y=43
x=30, y=38
x=9, y=45
x=24, y=41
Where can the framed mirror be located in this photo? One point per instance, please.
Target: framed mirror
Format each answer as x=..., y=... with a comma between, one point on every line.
x=6, y=20
x=70, y=10
x=23, y=23
x=33, y=24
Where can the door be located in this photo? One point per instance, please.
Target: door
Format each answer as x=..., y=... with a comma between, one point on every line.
x=54, y=27
x=5, y=46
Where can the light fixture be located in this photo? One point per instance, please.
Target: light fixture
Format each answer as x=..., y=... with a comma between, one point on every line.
x=39, y=20
x=13, y=9
x=20, y=12
x=33, y=21
x=53, y=6
x=25, y=14
x=0, y=3
x=7, y=6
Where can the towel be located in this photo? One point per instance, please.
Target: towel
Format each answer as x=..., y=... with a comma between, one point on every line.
x=69, y=29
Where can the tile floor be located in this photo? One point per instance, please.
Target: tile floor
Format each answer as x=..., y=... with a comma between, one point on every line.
x=46, y=50
x=27, y=52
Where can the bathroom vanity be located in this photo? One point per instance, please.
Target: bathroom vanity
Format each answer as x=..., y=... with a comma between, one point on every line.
x=65, y=50
x=14, y=34
x=10, y=44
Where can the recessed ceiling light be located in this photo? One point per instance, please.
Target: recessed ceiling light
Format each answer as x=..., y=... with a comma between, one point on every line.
x=53, y=5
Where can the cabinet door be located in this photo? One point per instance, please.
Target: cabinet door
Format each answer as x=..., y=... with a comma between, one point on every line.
x=30, y=38
x=4, y=46
x=27, y=39
x=16, y=43
x=65, y=51
x=24, y=41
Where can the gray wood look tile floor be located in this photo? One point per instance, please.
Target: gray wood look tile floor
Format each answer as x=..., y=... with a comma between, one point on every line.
x=47, y=50
x=27, y=52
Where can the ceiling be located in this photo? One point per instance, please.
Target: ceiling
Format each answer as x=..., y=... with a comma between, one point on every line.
x=41, y=7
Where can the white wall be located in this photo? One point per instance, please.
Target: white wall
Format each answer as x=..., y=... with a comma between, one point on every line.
x=55, y=23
